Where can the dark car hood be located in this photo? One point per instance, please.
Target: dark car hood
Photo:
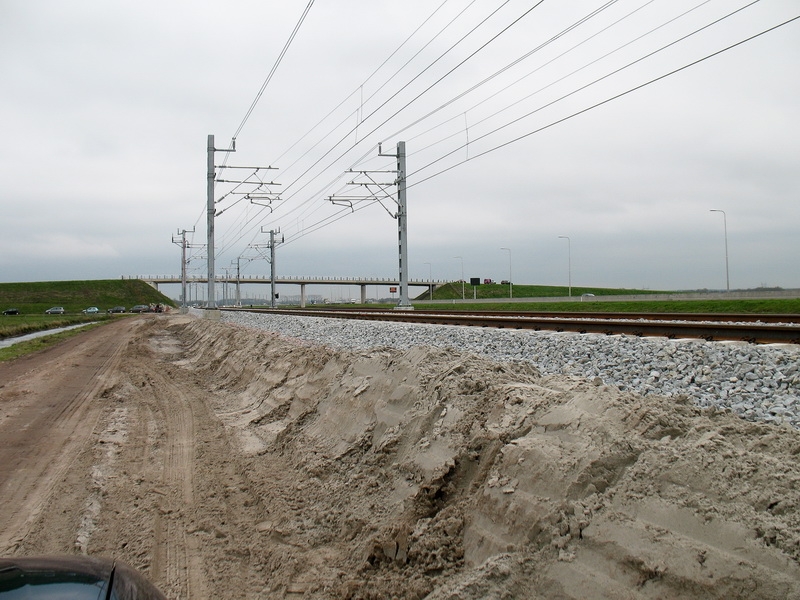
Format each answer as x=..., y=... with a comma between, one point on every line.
x=74, y=578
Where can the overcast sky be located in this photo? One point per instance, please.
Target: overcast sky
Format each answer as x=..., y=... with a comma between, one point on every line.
x=106, y=107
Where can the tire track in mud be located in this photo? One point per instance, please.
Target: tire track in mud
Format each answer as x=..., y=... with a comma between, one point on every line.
x=216, y=526
x=47, y=432
x=198, y=525
x=177, y=555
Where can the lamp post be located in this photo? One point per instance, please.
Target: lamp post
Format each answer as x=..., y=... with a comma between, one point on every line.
x=725, y=225
x=430, y=280
x=463, y=292
x=510, y=280
x=569, y=262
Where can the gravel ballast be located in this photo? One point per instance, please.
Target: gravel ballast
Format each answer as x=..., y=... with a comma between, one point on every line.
x=755, y=382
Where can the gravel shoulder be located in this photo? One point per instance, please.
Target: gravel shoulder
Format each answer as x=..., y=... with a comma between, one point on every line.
x=223, y=461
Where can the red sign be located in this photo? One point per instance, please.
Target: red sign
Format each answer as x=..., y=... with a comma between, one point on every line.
x=392, y=290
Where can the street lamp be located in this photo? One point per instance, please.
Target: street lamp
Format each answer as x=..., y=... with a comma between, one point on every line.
x=463, y=292
x=569, y=261
x=510, y=280
x=430, y=280
x=725, y=225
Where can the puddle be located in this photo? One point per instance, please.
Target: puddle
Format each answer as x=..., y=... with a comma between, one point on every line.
x=31, y=336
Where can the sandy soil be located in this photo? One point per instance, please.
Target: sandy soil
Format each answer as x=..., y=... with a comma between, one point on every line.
x=226, y=463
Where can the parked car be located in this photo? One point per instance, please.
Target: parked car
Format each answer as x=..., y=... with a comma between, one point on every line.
x=11, y=311
x=92, y=310
x=56, y=310
x=141, y=308
x=116, y=309
x=73, y=577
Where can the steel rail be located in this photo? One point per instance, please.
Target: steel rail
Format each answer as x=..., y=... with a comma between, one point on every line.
x=756, y=332
x=634, y=316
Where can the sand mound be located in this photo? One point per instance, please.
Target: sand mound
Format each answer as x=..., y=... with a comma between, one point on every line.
x=406, y=474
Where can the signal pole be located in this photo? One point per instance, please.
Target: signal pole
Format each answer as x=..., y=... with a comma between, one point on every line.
x=272, y=243
x=402, y=225
x=210, y=210
x=401, y=215
x=182, y=233
x=211, y=213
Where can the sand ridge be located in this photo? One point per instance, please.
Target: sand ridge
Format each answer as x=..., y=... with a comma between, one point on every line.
x=234, y=463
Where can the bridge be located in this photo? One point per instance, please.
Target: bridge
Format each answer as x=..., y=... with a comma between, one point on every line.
x=362, y=282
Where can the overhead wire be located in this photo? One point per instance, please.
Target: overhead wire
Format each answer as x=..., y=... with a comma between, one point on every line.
x=589, y=108
x=511, y=65
x=599, y=79
x=273, y=70
x=330, y=219
x=564, y=32
x=603, y=102
x=426, y=90
x=439, y=80
x=342, y=214
x=409, y=83
x=263, y=87
x=361, y=118
x=517, y=81
x=564, y=77
x=369, y=77
x=395, y=74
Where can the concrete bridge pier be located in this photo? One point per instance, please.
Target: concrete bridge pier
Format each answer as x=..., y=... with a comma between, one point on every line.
x=302, y=295
x=363, y=293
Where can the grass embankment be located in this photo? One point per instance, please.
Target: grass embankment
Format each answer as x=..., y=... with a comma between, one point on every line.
x=453, y=291
x=40, y=343
x=781, y=306
x=33, y=298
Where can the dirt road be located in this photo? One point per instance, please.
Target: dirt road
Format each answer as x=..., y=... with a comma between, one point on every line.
x=98, y=456
x=227, y=463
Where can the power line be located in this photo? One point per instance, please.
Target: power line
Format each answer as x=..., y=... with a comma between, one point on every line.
x=606, y=101
x=383, y=104
x=274, y=68
x=560, y=79
x=266, y=81
x=512, y=64
x=588, y=85
x=418, y=96
x=350, y=95
x=305, y=206
x=365, y=81
x=587, y=109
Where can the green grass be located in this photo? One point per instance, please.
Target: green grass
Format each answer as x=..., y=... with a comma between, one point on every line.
x=452, y=291
x=74, y=296
x=770, y=306
x=14, y=326
x=787, y=306
x=33, y=298
x=38, y=344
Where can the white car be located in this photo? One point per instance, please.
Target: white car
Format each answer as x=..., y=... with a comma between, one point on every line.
x=92, y=310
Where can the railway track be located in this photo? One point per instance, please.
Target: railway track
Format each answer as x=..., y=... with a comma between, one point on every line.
x=756, y=329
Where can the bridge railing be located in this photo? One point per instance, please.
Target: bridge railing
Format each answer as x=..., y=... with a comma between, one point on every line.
x=286, y=279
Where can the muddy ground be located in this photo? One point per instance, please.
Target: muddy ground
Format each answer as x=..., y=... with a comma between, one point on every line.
x=228, y=463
